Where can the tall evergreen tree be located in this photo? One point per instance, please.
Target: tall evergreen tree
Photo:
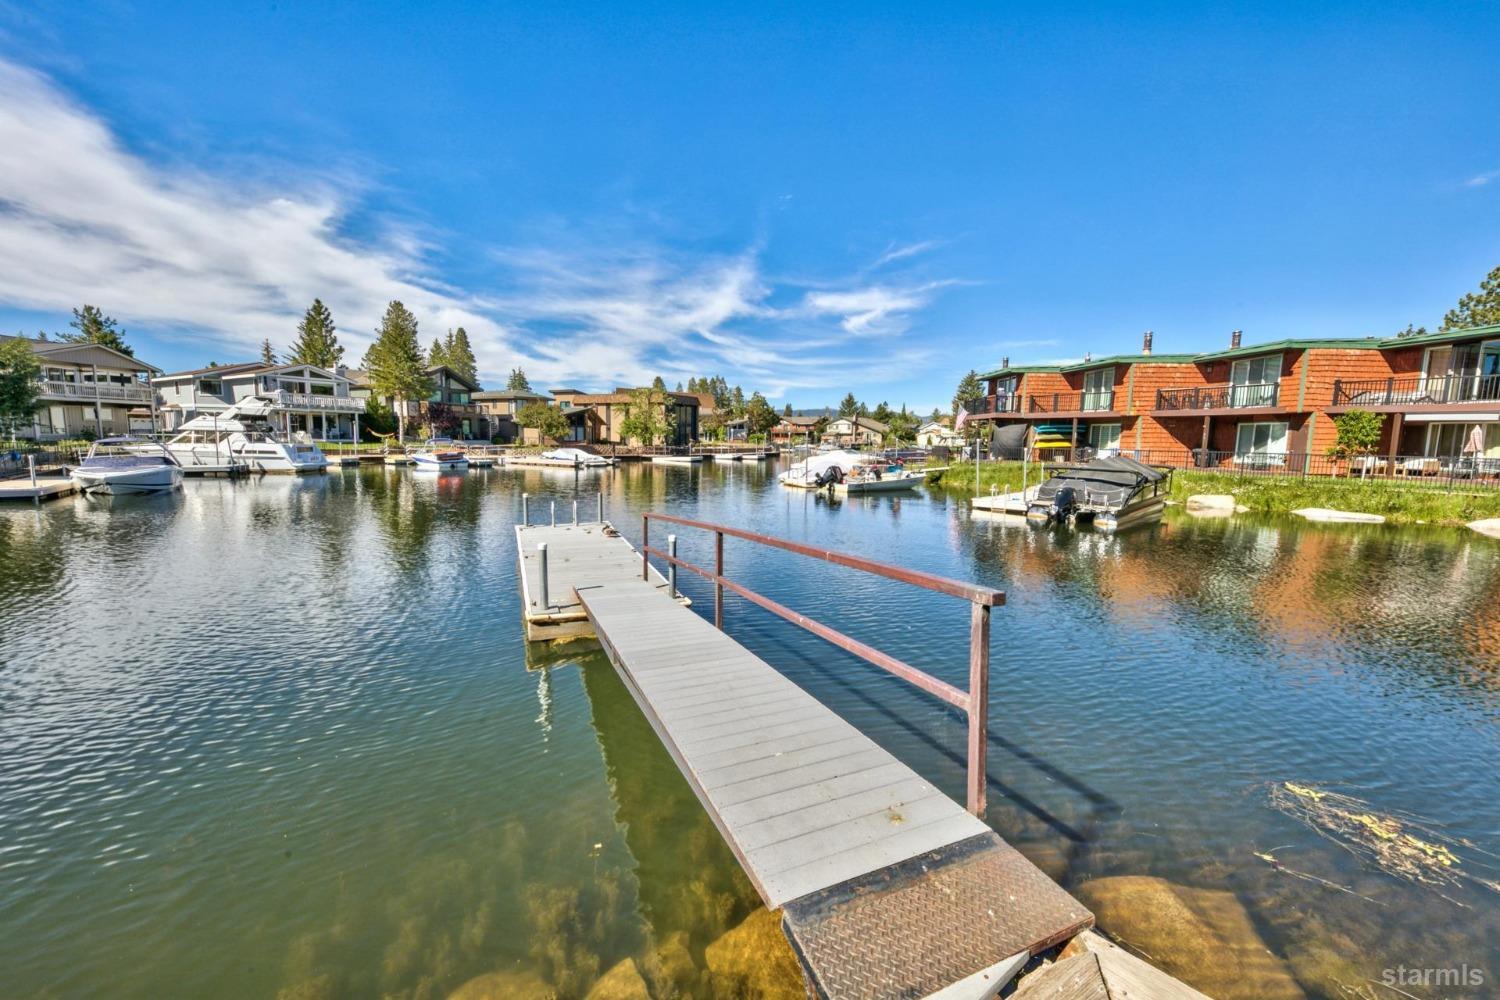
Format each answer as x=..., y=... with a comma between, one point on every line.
x=460, y=355
x=267, y=352
x=96, y=328
x=849, y=406
x=1481, y=308
x=659, y=383
x=786, y=411
x=518, y=381
x=317, y=342
x=969, y=387
x=737, y=403
x=436, y=355
x=395, y=363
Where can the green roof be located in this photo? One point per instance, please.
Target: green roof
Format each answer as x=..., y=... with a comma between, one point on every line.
x=1019, y=370
x=1352, y=343
x=1442, y=336
x=1130, y=359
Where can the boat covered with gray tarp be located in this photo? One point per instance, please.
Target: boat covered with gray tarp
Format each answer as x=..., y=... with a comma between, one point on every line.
x=1112, y=493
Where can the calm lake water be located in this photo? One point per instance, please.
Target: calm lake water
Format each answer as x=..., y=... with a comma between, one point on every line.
x=284, y=734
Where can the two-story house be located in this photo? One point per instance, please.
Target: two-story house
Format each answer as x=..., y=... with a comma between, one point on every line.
x=498, y=410
x=855, y=432
x=1439, y=394
x=451, y=391
x=614, y=407
x=306, y=399
x=88, y=388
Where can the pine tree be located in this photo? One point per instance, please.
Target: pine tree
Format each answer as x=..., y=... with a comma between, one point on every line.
x=786, y=411
x=518, y=381
x=659, y=383
x=267, y=352
x=969, y=387
x=20, y=386
x=737, y=403
x=395, y=363
x=96, y=328
x=1481, y=308
x=849, y=406
x=436, y=355
x=317, y=343
x=461, y=355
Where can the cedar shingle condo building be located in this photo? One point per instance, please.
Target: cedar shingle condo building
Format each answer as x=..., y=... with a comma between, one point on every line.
x=1268, y=405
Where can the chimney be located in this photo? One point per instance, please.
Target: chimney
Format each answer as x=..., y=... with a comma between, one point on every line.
x=1234, y=341
x=1005, y=362
x=1146, y=343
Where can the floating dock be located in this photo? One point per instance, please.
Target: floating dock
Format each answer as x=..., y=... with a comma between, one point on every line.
x=1004, y=503
x=45, y=488
x=887, y=887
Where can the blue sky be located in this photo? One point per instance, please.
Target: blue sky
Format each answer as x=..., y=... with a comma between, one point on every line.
x=864, y=197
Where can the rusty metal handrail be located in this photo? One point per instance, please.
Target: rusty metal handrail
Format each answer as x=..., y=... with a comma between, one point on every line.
x=974, y=702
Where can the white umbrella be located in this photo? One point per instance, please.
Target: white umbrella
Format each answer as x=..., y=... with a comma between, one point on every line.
x=1475, y=444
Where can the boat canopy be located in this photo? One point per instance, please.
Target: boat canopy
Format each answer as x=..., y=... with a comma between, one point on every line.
x=1117, y=471
x=816, y=465
x=570, y=455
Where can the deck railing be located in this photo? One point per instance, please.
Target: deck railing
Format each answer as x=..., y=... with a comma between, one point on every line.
x=88, y=391
x=1219, y=397
x=1005, y=402
x=974, y=702
x=1416, y=390
x=1096, y=401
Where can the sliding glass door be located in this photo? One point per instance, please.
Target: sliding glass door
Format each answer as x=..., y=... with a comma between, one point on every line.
x=1254, y=381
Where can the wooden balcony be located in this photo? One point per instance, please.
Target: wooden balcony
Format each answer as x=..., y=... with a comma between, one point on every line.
x=1070, y=404
x=87, y=392
x=1419, y=393
x=995, y=405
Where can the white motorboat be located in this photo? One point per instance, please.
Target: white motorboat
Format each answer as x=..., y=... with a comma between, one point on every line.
x=439, y=454
x=676, y=459
x=243, y=435
x=127, y=465
x=563, y=458
x=823, y=469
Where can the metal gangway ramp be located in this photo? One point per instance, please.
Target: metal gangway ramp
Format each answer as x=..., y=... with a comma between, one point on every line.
x=887, y=887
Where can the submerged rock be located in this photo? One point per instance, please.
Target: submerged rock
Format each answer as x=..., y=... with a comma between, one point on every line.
x=623, y=982
x=755, y=959
x=1202, y=936
x=1212, y=502
x=1489, y=526
x=671, y=968
x=1329, y=514
x=505, y=986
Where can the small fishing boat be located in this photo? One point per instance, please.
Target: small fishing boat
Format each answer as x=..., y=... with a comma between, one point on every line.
x=823, y=469
x=878, y=478
x=1111, y=493
x=439, y=454
x=128, y=465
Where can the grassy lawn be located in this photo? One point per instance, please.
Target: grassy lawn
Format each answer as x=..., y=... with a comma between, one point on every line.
x=1400, y=503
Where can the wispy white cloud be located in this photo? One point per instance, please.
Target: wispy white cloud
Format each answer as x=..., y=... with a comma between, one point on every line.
x=897, y=251
x=1480, y=180
x=225, y=261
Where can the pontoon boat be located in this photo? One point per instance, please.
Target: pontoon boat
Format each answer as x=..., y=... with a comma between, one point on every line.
x=1112, y=493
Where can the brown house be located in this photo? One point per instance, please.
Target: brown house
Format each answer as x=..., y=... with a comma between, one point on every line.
x=613, y=407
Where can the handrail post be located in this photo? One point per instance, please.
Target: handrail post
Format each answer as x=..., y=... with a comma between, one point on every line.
x=601, y=507
x=719, y=580
x=575, y=510
x=525, y=509
x=541, y=554
x=979, y=704
x=554, y=513
x=645, y=546
x=672, y=566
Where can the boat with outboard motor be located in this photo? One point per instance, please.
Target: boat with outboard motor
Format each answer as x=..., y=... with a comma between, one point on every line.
x=1111, y=493
x=127, y=465
x=243, y=435
x=563, y=458
x=824, y=469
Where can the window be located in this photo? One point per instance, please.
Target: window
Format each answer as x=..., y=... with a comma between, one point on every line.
x=1450, y=373
x=210, y=386
x=1447, y=440
x=1104, y=437
x=1098, y=389
x=1261, y=443
x=1254, y=381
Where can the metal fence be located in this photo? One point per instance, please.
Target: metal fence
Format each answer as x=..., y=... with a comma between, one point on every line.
x=1454, y=473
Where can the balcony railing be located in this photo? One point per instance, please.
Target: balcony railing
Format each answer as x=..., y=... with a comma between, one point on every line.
x=1416, y=390
x=1097, y=401
x=1002, y=403
x=316, y=401
x=89, y=391
x=1219, y=397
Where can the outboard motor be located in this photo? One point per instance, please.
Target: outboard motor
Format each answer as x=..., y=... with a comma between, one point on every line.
x=1064, y=505
x=829, y=476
